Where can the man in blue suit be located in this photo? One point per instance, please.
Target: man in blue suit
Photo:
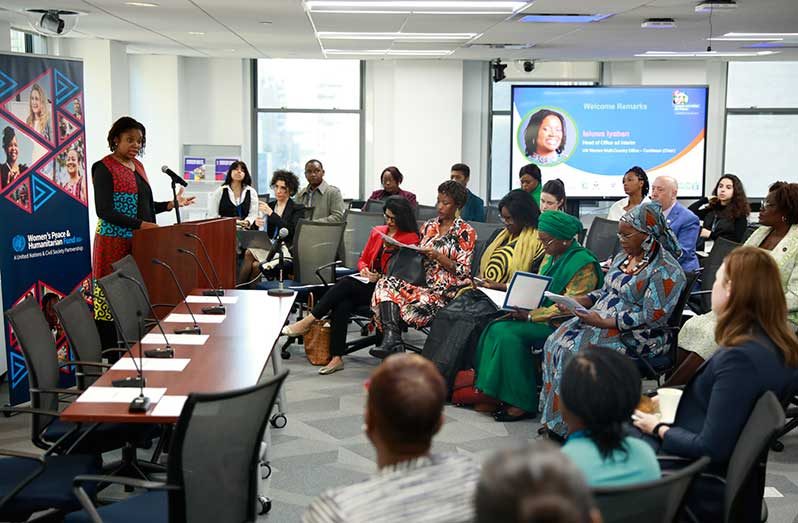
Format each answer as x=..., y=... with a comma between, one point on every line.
x=684, y=224
x=474, y=208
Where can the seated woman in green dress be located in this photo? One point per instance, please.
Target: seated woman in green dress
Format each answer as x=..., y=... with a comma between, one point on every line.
x=505, y=366
x=516, y=247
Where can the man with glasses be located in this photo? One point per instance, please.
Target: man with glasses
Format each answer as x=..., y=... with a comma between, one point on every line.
x=684, y=224
x=325, y=199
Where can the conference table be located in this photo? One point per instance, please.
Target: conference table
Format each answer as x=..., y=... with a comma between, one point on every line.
x=234, y=356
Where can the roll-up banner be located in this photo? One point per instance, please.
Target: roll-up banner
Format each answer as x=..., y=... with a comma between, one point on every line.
x=44, y=232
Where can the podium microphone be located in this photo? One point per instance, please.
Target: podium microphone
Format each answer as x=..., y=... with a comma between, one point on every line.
x=174, y=176
x=160, y=352
x=217, y=290
x=142, y=402
x=187, y=330
x=216, y=309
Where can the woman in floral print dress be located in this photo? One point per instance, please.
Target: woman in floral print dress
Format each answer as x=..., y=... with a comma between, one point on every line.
x=448, y=242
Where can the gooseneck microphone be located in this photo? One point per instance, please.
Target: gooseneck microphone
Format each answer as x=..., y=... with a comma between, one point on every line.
x=174, y=176
x=281, y=291
x=216, y=289
x=160, y=352
x=187, y=330
x=215, y=309
x=142, y=402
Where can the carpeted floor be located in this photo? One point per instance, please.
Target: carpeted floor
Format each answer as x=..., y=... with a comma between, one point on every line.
x=323, y=444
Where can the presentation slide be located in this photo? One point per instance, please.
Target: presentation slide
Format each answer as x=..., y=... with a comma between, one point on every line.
x=590, y=136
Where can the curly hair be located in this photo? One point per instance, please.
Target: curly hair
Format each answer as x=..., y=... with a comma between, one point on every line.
x=287, y=177
x=455, y=191
x=246, y=182
x=532, y=128
x=523, y=210
x=739, y=202
x=123, y=125
x=8, y=134
x=785, y=197
x=642, y=176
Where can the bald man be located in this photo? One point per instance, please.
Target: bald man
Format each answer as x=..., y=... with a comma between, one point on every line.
x=684, y=224
x=404, y=411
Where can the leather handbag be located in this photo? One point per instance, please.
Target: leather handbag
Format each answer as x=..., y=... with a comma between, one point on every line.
x=317, y=339
x=408, y=265
x=464, y=392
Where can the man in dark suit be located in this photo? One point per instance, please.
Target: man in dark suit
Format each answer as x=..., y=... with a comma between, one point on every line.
x=684, y=224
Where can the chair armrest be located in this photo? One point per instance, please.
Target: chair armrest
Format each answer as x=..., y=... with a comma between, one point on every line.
x=79, y=363
x=700, y=293
x=327, y=266
x=68, y=392
x=171, y=305
x=116, y=349
x=26, y=481
x=22, y=455
x=29, y=410
x=86, y=502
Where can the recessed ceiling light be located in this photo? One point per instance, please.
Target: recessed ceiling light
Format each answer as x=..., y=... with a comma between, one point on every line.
x=562, y=18
x=335, y=35
x=761, y=36
x=701, y=54
x=196, y=33
x=745, y=39
x=421, y=6
x=141, y=4
x=265, y=22
x=387, y=52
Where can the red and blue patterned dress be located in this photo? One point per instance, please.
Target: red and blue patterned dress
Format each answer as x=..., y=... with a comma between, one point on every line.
x=418, y=305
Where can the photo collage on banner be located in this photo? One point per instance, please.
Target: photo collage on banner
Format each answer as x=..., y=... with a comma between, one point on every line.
x=43, y=196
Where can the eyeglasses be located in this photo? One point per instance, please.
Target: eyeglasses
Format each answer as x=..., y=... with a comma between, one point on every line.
x=627, y=236
x=389, y=218
x=767, y=205
x=549, y=242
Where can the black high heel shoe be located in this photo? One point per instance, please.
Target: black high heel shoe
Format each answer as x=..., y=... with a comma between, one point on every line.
x=504, y=417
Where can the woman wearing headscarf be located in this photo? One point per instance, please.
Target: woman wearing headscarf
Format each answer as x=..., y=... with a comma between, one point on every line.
x=640, y=291
x=505, y=367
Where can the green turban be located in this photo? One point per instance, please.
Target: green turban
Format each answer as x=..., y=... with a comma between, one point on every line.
x=558, y=224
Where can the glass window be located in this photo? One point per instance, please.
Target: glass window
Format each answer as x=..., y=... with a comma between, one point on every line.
x=17, y=41
x=288, y=140
x=309, y=84
x=500, y=157
x=309, y=109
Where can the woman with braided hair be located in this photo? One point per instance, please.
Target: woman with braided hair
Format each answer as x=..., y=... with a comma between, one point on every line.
x=505, y=367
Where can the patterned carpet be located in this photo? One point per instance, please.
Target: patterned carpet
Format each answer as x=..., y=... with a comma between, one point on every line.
x=323, y=444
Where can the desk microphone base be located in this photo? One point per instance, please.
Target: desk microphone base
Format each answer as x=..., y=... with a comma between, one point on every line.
x=216, y=309
x=140, y=404
x=213, y=292
x=133, y=381
x=160, y=353
x=189, y=330
x=280, y=293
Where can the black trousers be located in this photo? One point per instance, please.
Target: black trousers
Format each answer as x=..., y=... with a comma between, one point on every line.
x=340, y=301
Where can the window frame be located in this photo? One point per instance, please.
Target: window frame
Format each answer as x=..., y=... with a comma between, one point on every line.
x=360, y=111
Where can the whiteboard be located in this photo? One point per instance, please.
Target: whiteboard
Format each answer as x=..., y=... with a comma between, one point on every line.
x=762, y=84
x=760, y=149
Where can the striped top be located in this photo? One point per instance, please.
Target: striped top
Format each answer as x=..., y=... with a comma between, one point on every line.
x=437, y=488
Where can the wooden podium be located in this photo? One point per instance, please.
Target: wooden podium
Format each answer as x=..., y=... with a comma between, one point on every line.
x=219, y=236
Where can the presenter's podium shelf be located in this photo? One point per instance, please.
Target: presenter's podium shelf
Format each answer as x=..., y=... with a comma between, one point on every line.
x=219, y=237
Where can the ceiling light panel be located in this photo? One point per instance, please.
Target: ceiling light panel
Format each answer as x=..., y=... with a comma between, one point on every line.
x=702, y=54
x=397, y=36
x=416, y=6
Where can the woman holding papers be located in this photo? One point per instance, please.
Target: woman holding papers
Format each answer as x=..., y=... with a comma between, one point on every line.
x=505, y=367
x=640, y=291
x=350, y=293
x=757, y=352
x=447, y=243
x=517, y=246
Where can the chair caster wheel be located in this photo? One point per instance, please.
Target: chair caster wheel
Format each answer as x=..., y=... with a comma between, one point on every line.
x=279, y=421
x=266, y=470
x=777, y=446
x=285, y=355
x=265, y=505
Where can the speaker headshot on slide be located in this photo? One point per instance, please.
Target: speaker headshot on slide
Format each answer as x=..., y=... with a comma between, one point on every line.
x=545, y=137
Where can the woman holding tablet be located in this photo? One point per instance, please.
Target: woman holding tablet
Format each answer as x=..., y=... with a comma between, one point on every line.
x=640, y=291
x=505, y=367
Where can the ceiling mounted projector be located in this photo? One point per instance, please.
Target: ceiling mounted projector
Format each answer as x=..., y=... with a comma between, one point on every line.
x=659, y=23
x=715, y=5
x=52, y=22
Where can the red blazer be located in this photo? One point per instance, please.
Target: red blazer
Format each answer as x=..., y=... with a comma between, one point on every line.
x=372, y=248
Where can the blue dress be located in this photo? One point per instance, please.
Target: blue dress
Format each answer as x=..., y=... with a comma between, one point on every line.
x=640, y=302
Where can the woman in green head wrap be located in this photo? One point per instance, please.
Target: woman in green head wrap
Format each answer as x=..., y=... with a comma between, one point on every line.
x=505, y=366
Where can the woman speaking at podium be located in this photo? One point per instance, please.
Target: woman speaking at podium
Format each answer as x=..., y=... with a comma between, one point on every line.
x=124, y=202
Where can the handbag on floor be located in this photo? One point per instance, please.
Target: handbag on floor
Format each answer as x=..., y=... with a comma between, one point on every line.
x=317, y=339
x=464, y=392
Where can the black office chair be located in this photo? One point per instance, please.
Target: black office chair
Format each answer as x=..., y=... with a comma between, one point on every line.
x=700, y=301
x=426, y=212
x=602, y=238
x=744, y=484
x=658, y=366
x=373, y=206
x=128, y=266
x=42, y=483
x=356, y=234
x=658, y=501
x=211, y=474
x=492, y=215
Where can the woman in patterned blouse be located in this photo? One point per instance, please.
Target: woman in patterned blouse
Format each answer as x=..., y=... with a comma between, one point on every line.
x=640, y=291
x=448, y=242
